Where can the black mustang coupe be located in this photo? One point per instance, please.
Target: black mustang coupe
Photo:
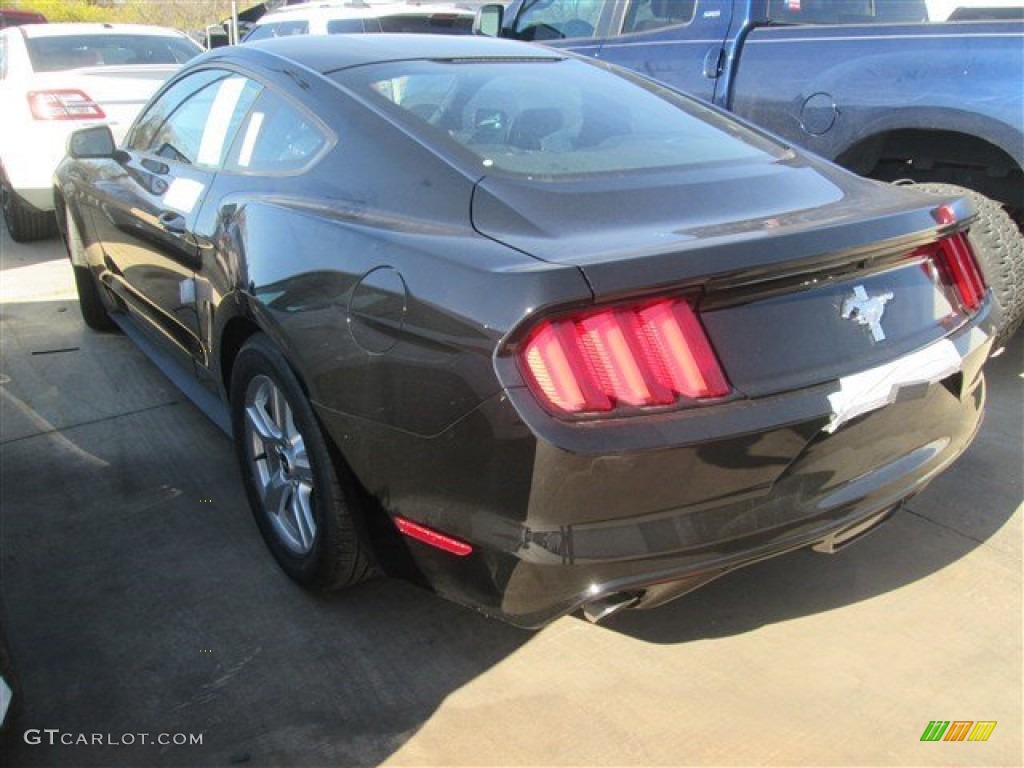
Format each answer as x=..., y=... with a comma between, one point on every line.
x=583, y=341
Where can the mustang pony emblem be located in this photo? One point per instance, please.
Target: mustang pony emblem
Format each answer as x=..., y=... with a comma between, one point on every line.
x=867, y=310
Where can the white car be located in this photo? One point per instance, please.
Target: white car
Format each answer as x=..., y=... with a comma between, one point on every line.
x=332, y=18
x=55, y=78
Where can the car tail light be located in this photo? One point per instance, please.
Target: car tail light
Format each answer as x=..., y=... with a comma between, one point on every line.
x=958, y=269
x=622, y=357
x=63, y=105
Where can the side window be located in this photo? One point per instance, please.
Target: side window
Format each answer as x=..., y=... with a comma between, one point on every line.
x=645, y=15
x=347, y=26
x=146, y=127
x=276, y=137
x=277, y=29
x=560, y=19
x=848, y=11
x=200, y=128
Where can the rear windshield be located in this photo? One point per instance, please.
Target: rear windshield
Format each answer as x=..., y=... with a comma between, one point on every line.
x=554, y=118
x=51, y=54
x=435, y=24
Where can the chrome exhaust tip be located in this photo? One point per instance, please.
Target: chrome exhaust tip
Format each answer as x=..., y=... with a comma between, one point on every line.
x=840, y=539
x=603, y=607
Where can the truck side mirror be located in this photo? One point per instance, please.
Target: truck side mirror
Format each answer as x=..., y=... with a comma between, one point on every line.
x=96, y=141
x=488, y=20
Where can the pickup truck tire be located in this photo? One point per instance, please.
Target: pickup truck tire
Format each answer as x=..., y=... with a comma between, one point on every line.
x=999, y=246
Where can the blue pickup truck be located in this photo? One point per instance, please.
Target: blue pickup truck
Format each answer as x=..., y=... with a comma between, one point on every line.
x=871, y=84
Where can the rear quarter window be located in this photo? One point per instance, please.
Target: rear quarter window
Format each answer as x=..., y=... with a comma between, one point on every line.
x=277, y=137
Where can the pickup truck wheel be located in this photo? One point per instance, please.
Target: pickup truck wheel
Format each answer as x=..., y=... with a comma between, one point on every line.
x=999, y=246
x=304, y=505
x=90, y=302
x=24, y=224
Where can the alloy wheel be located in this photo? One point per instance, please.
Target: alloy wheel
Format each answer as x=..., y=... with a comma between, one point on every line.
x=280, y=465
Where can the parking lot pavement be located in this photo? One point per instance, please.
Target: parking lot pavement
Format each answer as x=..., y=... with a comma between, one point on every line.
x=141, y=607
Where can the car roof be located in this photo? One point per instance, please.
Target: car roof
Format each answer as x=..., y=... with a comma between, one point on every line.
x=359, y=10
x=90, y=28
x=329, y=53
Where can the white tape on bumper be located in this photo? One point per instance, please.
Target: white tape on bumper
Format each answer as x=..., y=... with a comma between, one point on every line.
x=878, y=387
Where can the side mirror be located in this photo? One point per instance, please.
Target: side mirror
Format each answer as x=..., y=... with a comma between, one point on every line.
x=96, y=141
x=488, y=20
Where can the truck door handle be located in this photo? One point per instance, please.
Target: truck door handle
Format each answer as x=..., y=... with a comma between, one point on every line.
x=172, y=222
x=714, y=63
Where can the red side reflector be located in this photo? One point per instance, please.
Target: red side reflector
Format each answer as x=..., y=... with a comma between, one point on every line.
x=633, y=355
x=433, y=538
x=63, y=105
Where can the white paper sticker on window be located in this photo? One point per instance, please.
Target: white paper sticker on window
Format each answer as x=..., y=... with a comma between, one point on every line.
x=183, y=194
x=216, y=130
x=251, y=134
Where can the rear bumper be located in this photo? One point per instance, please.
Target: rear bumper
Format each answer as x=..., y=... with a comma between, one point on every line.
x=587, y=512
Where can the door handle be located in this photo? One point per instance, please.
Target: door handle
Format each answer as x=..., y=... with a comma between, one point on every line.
x=714, y=63
x=172, y=222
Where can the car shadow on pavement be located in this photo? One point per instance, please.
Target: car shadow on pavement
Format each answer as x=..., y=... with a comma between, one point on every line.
x=139, y=599
x=140, y=603
x=961, y=510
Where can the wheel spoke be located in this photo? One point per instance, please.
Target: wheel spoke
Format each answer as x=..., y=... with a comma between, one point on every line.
x=288, y=429
x=301, y=468
x=262, y=423
x=275, y=494
x=302, y=514
x=279, y=411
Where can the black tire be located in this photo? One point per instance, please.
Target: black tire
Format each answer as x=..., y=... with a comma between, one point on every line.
x=315, y=535
x=90, y=302
x=24, y=223
x=999, y=246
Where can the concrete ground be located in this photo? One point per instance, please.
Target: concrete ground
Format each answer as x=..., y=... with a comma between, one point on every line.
x=138, y=601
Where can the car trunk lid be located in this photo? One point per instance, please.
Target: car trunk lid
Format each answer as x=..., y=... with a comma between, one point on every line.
x=120, y=91
x=801, y=275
